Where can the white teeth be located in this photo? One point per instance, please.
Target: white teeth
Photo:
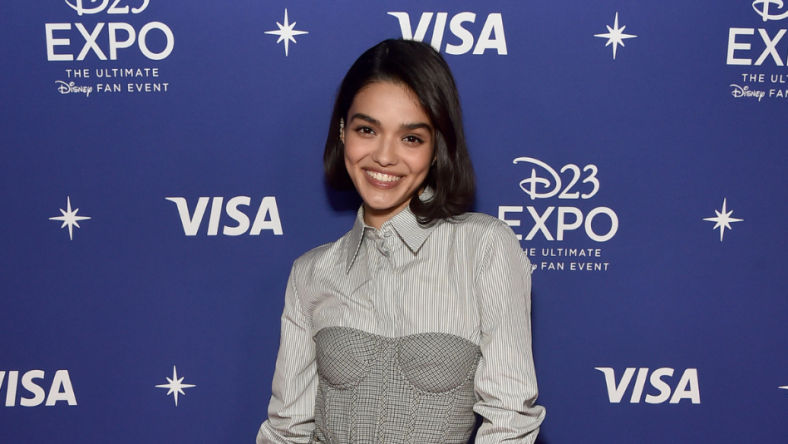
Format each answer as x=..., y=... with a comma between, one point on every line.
x=382, y=177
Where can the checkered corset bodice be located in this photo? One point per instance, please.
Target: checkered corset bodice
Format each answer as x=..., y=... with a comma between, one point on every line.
x=413, y=389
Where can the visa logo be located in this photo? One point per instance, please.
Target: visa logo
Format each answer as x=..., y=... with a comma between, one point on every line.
x=267, y=216
x=686, y=388
x=491, y=36
x=60, y=388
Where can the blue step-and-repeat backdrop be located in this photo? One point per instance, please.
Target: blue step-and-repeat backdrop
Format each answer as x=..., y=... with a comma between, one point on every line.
x=161, y=169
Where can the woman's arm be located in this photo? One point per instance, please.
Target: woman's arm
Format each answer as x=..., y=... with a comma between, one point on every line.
x=505, y=379
x=291, y=410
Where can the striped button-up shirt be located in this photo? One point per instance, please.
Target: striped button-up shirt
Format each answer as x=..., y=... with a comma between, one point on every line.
x=466, y=277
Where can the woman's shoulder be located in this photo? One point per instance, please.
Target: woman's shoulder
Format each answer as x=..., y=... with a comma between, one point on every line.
x=483, y=233
x=326, y=255
x=479, y=224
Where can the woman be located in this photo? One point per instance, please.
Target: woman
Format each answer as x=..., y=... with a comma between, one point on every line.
x=419, y=316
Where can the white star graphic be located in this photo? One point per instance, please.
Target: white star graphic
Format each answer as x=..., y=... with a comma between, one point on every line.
x=175, y=385
x=286, y=33
x=723, y=219
x=69, y=218
x=615, y=35
x=784, y=387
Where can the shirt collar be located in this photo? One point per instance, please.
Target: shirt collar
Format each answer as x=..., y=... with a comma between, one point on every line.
x=404, y=223
x=354, y=241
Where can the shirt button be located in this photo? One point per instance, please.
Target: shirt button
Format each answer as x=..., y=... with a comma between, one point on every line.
x=386, y=253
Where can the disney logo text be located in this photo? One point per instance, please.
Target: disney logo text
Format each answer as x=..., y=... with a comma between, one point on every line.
x=66, y=88
x=739, y=91
x=529, y=185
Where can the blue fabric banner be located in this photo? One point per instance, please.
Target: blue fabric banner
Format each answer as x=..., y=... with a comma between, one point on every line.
x=162, y=168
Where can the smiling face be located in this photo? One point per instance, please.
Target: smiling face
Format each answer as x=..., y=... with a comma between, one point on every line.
x=388, y=148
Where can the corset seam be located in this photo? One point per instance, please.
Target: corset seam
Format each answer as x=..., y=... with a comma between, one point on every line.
x=414, y=405
x=446, y=414
x=384, y=401
x=353, y=416
x=327, y=411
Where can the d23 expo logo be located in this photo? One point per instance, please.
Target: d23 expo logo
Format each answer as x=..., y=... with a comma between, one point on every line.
x=766, y=52
x=557, y=223
x=764, y=9
x=106, y=40
x=78, y=6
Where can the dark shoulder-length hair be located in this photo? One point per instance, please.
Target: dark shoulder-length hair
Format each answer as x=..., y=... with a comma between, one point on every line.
x=424, y=71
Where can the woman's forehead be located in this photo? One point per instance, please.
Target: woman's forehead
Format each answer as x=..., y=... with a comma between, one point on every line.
x=393, y=102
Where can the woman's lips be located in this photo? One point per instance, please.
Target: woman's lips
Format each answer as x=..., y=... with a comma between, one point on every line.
x=382, y=180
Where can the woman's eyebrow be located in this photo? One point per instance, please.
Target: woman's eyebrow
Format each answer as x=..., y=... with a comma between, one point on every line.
x=365, y=118
x=405, y=126
x=414, y=126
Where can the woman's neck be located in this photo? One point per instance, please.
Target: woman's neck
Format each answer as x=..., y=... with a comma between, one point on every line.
x=376, y=218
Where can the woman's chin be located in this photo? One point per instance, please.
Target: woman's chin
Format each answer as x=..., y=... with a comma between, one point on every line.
x=384, y=206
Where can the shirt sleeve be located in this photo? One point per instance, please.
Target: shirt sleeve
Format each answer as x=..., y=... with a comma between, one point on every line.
x=505, y=380
x=291, y=410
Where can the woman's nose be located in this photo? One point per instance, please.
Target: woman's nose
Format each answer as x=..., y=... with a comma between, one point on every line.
x=385, y=153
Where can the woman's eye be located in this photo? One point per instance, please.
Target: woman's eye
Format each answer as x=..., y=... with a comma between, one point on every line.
x=365, y=130
x=413, y=140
